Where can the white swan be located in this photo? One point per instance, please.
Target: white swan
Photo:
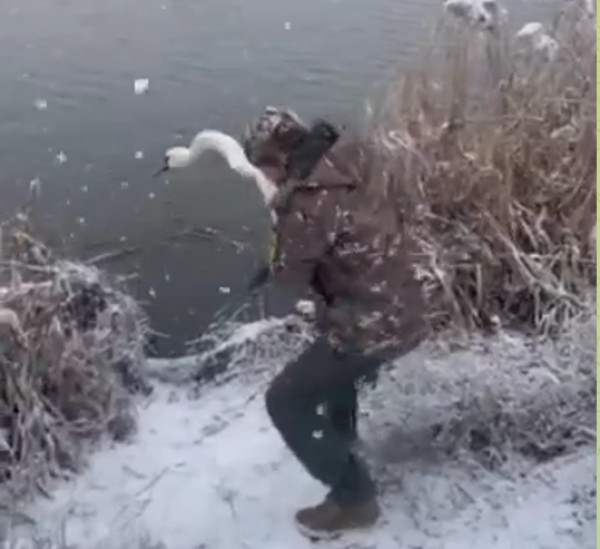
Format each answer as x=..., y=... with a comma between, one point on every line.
x=230, y=149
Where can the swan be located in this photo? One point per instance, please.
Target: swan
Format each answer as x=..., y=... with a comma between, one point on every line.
x=231, y=150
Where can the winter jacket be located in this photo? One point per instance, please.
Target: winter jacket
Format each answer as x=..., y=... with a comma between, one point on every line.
x=352, y=253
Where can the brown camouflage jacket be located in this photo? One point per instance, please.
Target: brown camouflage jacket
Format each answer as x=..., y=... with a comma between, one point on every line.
x=352, y=255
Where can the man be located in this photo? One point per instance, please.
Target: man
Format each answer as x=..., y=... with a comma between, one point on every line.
x=343, y=243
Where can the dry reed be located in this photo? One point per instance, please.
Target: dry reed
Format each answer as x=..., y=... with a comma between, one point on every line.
x=71, y=352
x=490, y=149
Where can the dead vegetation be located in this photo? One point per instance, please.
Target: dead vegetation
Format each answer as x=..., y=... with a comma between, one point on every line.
x=71, y=351
x=505, y=403
x=490, y=149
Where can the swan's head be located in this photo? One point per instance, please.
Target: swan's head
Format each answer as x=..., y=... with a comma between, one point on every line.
x=175, y=158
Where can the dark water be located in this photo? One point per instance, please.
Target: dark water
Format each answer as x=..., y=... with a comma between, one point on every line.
x=211, y=63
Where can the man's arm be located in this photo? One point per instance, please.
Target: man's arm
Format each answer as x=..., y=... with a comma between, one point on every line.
x=301, y=162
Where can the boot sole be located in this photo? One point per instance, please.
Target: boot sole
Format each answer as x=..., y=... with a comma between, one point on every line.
x=316, y=536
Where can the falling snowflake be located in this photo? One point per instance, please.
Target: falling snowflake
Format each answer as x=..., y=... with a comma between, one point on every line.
x=152, y=292
x=61, y=157
x=34, y=185
x=84, y=189
x=224, y=290
x=287, y=25
x=140, y=86
x=124, y=184
x=41, y=104
x=139, y=155
x=151, y=196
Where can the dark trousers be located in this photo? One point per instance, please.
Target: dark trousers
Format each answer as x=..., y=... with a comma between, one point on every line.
x=313, y=404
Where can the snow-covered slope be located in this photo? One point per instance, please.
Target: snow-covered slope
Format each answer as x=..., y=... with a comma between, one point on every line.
x=207, y=470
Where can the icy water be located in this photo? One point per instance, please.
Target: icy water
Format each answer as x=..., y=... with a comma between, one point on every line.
x=69, y=116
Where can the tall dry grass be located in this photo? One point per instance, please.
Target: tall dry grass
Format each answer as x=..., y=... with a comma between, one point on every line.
x=491, y=152
x=71, y=354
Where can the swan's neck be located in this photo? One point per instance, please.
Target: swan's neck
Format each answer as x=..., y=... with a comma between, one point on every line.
x=235, y=156
x=202, y=143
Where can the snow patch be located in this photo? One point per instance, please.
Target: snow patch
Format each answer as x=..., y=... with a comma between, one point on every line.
x=479, y=14
x=534, y=38
x=208, y=470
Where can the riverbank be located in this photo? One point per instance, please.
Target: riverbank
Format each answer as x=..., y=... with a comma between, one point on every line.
x=489, y=439
x=206, y=469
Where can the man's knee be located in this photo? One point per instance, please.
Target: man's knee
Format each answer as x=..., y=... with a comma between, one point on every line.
x=288, y=400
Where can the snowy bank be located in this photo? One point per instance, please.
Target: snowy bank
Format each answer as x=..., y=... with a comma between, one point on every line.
x=207, y=469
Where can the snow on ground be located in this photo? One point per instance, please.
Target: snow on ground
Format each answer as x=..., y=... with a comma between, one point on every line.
x=208, y=471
